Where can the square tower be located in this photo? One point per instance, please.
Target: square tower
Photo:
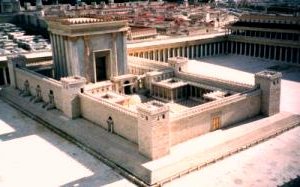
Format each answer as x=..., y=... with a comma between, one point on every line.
x=93, y=47
x=153, y=129
x=178, y=63
x=270, y=85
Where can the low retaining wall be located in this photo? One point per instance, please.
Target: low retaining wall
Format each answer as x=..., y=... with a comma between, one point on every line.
x=98, y=111
x=46, y=84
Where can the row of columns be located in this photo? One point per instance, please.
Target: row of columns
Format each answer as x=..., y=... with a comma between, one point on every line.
x=269, y=35
x=193, y=51
x=280, y=53
x=177, y=93
x=169, y=94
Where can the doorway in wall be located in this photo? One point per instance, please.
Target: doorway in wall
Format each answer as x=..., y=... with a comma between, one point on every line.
x=215, y=123
x=102, y=65
x=110, y=125
x=127, y=88
x=101, y=68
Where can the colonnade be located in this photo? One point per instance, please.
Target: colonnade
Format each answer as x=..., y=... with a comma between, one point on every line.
x=178, y=93
x=266, y=34
x=271, y=52
x=168, y=94
x=266, y=51
x=197, y=92
x=192, y=51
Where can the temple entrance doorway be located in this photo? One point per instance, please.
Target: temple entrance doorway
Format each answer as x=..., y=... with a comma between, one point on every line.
x=102, y=65
x=127, y=88
x=101, y=68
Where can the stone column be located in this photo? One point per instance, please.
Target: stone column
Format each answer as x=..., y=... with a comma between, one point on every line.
x=201, y=50
x=250, y=49
x=197, y=51
x=223, y=44
x=254, y=54
x=231, y=47
x=68, y=54
x=4, y=75
x=192, y=51
x=298, y=54
x=227, y=46
x=58, y=65
x=63, y=56
x=215, y=48
x=168, y=52
x=159, y=55
x=280, y=53
x=265, y=50
x=178, y=51
x=241, y=48
x=285, y=56
x=114, y=55
x=259, y=50
x=292, y=55
x=164, y=55
x=188, y=51
x=205, y=51
x=173, y=52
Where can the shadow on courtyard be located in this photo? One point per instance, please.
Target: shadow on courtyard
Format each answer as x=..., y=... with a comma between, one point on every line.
x=23, y=127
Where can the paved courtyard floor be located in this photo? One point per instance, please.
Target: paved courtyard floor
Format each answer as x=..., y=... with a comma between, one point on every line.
x=33, y=156
x=271, y=163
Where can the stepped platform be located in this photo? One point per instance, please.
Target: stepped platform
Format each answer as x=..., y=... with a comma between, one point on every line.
x=123, y=155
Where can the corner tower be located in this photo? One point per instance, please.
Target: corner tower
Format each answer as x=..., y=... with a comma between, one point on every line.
x=270, y=85
x=93, y=47
x=153, y=129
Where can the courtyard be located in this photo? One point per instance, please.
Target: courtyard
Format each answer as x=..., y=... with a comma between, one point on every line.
x=242, y=69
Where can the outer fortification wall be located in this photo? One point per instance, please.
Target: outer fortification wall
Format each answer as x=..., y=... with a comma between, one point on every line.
x=98, y=111
x=198, y=120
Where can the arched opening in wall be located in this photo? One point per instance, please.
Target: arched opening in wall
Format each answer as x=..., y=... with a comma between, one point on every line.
x=127, y=88
x=110, y=124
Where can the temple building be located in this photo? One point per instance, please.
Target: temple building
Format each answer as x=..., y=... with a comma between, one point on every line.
x=142, y=92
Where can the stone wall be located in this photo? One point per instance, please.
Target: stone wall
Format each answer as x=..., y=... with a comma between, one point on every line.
x=44, y=82
x=196, y=121
x=98, y=111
